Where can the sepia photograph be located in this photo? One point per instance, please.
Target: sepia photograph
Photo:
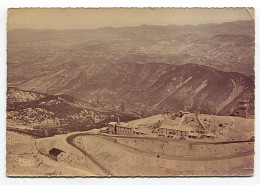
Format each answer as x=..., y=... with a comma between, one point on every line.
x=130, y=92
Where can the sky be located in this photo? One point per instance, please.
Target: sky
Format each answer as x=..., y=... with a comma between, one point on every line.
x=84, y=18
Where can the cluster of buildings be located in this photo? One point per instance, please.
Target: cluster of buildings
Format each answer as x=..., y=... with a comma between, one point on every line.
x=171, y=127
x=183, y=132
x=183, y=125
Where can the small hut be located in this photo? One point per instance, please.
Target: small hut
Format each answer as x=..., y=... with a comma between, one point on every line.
x=54, y=153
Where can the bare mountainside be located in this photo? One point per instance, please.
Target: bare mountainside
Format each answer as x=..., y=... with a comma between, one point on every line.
x=148, y=88
x=35, y=53
x=145, y=69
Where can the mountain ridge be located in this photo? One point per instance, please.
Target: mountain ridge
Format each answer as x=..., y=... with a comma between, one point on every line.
x=151, y=83
x=146, y=67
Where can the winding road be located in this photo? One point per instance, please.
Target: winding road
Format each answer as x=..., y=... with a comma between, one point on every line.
x=136, y=151
x=70, y=139
x=104, y=138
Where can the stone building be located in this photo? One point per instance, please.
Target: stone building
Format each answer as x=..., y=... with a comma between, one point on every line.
x=171, y=131
x=123, y=129
x=243, y=106
x=56, y=154
x=118, y=128
x=181, y=131
x=112, y=128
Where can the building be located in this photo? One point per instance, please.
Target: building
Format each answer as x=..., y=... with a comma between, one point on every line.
x=243, y=106
x=181, y=131
x=194, y=135
x=207, y=136
x=121, y=129
x=137, y=132
x=170, y=131
x=181, y=113
x=112, y=128
x=56, y=154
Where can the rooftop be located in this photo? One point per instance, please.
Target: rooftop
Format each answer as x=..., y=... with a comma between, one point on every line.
x=112, y=123
x=178, y=127
x=125, y=125
x=55, y=151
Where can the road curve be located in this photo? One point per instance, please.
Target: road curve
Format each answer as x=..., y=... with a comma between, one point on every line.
x=180, y=158
x=69, y=140
x=153, y=154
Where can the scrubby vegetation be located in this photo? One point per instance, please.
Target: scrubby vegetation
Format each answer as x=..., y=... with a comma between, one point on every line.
x=48, y=115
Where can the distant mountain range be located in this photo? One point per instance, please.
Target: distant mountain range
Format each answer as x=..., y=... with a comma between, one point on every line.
x=146, y=69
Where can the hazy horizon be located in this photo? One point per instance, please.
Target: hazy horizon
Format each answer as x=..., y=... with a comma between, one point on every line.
x=119, y=26
x=93, y=18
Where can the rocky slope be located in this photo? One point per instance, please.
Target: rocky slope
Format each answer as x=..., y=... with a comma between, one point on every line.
x=154, y=87
x=34, y=53
x=146, y=68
